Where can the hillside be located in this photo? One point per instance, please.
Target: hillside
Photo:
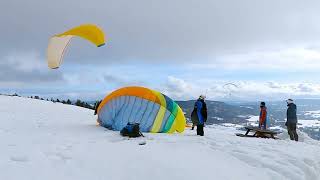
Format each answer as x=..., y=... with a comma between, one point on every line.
x=44, y=140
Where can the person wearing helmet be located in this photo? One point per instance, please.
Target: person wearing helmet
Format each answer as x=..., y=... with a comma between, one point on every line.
x=292, y=120
x=263, y=116
x=199, y=114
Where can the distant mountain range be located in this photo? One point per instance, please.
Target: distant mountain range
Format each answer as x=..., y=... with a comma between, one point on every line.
x=220, y=112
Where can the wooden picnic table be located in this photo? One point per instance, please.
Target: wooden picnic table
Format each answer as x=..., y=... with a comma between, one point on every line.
x=258, y=133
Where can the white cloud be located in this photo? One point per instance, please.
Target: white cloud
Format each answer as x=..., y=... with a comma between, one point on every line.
x=26, y=68
x=121, y=80
x=177, y=88
x=244, y=90
x=24, y=61
x=290, y=59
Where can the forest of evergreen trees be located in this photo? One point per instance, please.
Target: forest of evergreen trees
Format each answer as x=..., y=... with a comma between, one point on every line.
x=78, y=102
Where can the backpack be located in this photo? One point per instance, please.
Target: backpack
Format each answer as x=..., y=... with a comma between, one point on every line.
x=131, y=130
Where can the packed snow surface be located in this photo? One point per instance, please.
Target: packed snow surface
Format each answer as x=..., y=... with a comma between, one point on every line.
x=253, y=121
x=44, y=140
x=314, y=114
x=309, y=123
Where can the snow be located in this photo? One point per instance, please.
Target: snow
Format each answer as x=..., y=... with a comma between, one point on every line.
x=276, y=128
x=313, y=114
x=44, y=140
x=232, y=125
x=248, y=107
x=243, y=116
x=308, y=123
x=217, y=118
x=253, y=121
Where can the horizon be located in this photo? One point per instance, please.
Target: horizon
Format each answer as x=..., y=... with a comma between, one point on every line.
x=193, y=48
x=184, y=100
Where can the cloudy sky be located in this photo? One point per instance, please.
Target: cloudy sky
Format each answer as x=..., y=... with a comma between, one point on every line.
x=270, y=49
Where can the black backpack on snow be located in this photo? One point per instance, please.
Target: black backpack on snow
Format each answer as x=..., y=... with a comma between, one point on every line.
x=131, y=130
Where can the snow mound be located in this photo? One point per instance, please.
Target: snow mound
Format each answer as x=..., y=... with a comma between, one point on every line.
x=44, y=140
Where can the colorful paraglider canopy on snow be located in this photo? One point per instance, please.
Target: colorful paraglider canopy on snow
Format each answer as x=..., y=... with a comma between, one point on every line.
x=154, y=111
x=58, y=43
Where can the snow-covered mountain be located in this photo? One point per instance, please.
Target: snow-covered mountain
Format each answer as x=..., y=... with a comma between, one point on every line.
x=44, y=140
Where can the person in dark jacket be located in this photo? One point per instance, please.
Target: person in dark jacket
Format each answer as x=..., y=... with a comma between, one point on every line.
x=263, y=116
x=199, y=115
x=292, y=120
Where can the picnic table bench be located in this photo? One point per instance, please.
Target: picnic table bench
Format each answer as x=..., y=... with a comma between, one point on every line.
x=258, y=133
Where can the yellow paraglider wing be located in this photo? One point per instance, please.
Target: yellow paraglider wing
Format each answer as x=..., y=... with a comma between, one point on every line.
x=89, y=32
x=58, y=43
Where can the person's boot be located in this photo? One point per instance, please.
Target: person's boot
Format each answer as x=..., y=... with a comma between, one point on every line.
x=296, y=137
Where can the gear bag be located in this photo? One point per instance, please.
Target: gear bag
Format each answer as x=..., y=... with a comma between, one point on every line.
x=131, y=130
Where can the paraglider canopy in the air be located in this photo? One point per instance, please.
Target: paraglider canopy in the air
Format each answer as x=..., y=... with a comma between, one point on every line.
x=58, y=43
x=230, y=87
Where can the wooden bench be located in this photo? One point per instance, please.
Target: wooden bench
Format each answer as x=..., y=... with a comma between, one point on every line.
x=258, y=133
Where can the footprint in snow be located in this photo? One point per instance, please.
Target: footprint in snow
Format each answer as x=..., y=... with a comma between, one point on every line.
x=59, y=156
x=19, y=158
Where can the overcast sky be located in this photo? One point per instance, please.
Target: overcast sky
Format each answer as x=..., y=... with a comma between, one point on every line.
x=269, y=48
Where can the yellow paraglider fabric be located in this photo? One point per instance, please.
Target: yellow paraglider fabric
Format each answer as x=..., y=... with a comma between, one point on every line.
x=58, y=43
x=180, y=122
x=159, y=118
x=89, y=32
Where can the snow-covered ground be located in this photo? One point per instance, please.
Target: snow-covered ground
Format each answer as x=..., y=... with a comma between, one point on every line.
x=253, y=121
x=218, y=118
x=44, y=140
x=248, y=107
x=308, y=123
x=231, y=125
x=313, y=114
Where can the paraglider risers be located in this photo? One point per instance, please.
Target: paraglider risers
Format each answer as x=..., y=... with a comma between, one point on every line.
x=258, y=133
x=101, y=45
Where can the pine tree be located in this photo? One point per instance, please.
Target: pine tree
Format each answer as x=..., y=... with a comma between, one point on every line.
x=88, y=106
x=78, y=103
x=68, y=101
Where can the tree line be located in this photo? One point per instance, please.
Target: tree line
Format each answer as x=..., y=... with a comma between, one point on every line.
x=78, y=102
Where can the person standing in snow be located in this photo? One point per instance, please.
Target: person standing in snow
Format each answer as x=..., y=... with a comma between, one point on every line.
x=292, y=120
x=199, y=114
x=263, y=116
